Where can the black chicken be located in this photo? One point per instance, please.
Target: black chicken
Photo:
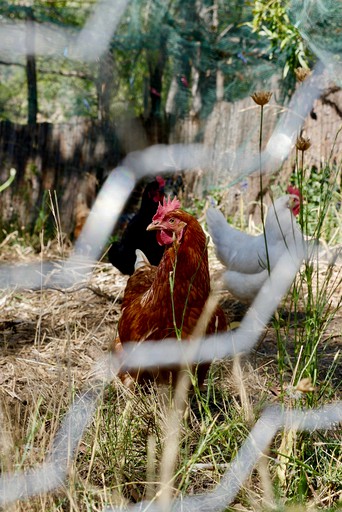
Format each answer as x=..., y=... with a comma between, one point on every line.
x=122, y=254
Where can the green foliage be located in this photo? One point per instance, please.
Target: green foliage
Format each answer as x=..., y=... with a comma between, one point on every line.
x=178, y=44
x=311, y=293
x=321, y=189
x=323, y=194
x=65, y=89
x=170, y=41
x=320, y=24
x=271, y=21
x=65, y=98
x=306, y=470
x=5, y=95
x=53, y=11
x=13, y=101
x=211, y=433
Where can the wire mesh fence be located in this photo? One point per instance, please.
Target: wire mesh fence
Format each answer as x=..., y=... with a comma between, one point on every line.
x=87, y=45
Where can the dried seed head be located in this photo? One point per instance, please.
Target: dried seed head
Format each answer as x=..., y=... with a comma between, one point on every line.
x=261, y=97
x=302, y=74
x=305, y=385
x=303, y=143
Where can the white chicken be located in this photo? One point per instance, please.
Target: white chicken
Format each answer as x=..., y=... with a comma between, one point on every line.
x=245, y=255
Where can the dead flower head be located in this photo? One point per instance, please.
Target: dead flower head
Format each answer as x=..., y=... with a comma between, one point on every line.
x=303, y=143
x=305, y=386
x=302, y=73
x=261, y=97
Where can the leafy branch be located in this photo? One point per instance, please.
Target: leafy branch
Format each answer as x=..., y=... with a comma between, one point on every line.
x=271, y=21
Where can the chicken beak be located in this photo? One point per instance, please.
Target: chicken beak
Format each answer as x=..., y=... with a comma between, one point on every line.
x=154, y=226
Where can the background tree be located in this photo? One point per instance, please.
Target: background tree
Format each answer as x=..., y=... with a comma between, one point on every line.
x=46, y=78
x=31, y=69
x=167, y=58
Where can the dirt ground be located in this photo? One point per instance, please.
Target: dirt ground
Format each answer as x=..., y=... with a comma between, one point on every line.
x=52, y=336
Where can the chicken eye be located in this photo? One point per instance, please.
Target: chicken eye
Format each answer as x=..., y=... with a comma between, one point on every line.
x=172, y=220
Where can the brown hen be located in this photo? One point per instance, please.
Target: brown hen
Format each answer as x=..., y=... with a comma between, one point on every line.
x=167, y=301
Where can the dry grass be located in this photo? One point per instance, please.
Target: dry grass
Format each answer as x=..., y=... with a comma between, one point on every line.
x=49, y=342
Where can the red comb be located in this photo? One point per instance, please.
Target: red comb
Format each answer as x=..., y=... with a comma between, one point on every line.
x=167, y=206
x=294, y=191
x=161, y=181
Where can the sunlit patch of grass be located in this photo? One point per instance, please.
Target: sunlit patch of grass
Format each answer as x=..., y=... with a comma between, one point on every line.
x=315, y=297
x=308, y=467
x=118, y=443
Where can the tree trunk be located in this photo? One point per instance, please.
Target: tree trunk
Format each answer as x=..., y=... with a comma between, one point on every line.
x=105, y=85
x=155, y=121
x=31, y=71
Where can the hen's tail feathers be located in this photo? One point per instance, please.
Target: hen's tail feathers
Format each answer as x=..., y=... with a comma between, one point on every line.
x=121, y=260
x=219, y=231
x=215, y=220
x=141, y=260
